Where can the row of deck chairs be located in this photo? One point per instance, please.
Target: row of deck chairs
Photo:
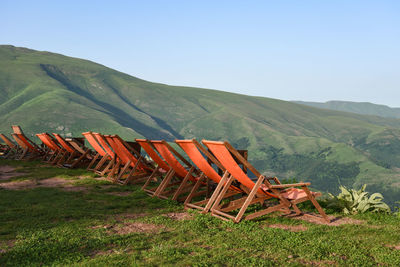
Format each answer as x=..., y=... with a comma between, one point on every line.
x=209, y=179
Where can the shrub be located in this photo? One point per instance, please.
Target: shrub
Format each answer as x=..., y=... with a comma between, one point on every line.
x=357, y=201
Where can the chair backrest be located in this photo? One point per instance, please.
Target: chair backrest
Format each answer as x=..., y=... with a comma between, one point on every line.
x=148, y=148
x=194, y=150
x=19, y=141
x=222, y=151
x=106, y=146
x=117, y=149
x=7, y=141
x=170, y=156
x=93, y=142
x=63, y=143
x=17, y=129
x=30, y=145
x=48, y=141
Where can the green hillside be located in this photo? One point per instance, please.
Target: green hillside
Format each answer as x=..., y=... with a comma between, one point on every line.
x=42, y=91
x=356, y=107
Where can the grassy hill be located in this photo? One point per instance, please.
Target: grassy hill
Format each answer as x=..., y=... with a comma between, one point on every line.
x=43, y=91
x=356, y=107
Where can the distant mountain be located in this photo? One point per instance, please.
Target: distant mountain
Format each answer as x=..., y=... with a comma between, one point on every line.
x=356, y=107
x=43, y=91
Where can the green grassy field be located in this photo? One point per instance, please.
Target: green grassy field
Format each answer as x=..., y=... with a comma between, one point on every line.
x=43, y=91
x=86, y=221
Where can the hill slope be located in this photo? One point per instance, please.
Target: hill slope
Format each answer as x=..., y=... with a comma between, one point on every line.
x=43, y=91
x=364, y=108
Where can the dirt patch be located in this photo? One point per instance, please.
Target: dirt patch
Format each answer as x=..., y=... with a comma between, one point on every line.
x=130, y=216
x=317, y=263
x=19, y=185
x=50, y=182
x=292, y=228
x=8, y=172
x=135, y=227
x=179, y=216
x=395, y=247
x=317, y=219
x=120, y=194
x=9, y=244
x=72, y=188
x=6, y=168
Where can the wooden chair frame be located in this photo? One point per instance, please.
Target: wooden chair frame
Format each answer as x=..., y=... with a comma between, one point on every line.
x=195, y=150
x=12, y=149
x=180, y=179
x=135, y=167
x=100, y=158
x=54, y=153
x=76, y=154
x=265, y=188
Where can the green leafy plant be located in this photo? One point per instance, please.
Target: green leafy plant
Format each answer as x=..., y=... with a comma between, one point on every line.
x=352, y=201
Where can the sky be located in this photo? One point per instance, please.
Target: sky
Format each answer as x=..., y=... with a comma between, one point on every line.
x=290, y=50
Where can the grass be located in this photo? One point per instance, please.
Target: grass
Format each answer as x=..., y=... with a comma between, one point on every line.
x=51, y=226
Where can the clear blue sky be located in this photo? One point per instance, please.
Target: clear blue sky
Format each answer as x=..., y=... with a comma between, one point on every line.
x=291, y=50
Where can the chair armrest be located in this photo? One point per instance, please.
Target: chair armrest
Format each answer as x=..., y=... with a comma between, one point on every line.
x=289, y=185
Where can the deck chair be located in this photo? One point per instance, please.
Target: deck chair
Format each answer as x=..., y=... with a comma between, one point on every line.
x=54, y=153
x=288, y=195
x=161, y=168
x=18, y=130
x=11, y=149
x=76, y=154
x=29, y=149
x=199, y=155
x=183, y=176
x=101, y=157
x=130, y=162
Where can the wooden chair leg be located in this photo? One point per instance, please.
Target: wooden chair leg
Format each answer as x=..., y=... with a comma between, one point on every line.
x=150, y=178
x=82, y=157
x=93, y=161
x=216, y=192
x=122, y=172
x=182, y=185
x=109, y=166
x=222, y=194
x=249, y=198
x=101, y=162
x=160, y=189
x=132, y=172
x=316, y=204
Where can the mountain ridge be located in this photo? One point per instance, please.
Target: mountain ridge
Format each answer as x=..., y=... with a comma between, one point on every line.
x=363, y=108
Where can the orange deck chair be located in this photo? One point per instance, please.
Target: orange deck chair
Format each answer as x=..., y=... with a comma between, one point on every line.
x=185, y=177
x=30, y=149
x=161, y=169
x=77, y=154
x=18, y=130
x=134, y=164
x=54, y=154
x=110, y=167
x=197, y=154
x=11, y=148
x=101, y=156
x=288, y=195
